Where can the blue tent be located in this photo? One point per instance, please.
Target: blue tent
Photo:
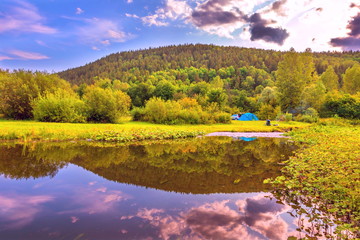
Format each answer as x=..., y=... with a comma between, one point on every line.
x=248, y=117
x=248, y=139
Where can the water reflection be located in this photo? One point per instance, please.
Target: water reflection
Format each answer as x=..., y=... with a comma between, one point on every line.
x=204, y=165
x=62, y=190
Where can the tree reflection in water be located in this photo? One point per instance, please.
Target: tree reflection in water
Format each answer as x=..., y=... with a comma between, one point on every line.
x=41, y=199
x=202, y=165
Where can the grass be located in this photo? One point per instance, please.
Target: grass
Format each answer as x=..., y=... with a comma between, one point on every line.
x=127, y=131
x=325, y=176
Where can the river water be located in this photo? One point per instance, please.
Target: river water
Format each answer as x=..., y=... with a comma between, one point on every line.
x=203, y=188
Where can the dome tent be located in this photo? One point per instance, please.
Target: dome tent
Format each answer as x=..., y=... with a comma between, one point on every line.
x=248, y=117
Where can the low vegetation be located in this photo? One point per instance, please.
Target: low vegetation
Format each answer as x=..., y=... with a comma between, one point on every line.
x=127, y=131
x=322, y=182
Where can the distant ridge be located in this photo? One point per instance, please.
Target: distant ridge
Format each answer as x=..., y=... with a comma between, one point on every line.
x=144, y=62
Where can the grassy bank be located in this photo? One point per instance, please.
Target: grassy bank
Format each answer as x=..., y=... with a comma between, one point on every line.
x=323, y=180
x=127, y=131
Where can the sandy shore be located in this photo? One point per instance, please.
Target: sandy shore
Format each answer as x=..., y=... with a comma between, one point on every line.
x=249, y=134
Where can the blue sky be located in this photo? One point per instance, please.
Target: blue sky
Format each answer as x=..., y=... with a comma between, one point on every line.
x=54, y=35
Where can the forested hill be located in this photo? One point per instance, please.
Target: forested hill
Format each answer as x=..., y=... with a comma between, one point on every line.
x=136, y=66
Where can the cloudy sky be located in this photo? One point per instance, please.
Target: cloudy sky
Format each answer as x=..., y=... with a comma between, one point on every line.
x=54, y=35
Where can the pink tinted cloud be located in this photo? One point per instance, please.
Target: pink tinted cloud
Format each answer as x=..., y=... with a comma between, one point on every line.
x=2, y=57
x=24, y=17
x=27, y=55
x=20, y=210
x=216, y=220
x=97, y=200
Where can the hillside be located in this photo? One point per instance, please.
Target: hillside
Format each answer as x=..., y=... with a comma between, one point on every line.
x=137, y=65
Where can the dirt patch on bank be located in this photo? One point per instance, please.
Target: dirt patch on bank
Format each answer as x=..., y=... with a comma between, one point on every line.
x=249, y=134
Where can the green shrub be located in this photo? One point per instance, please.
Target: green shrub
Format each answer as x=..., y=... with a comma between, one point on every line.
x=159, y=111
x=106, y=105
x=306, y=118
x=267, y=111
x=193, y=116
x=19, y=88
x=138, y=113
x=60, y=106
x=287, y=117
x=345, y=106
x=222, y=117
x=184, y=111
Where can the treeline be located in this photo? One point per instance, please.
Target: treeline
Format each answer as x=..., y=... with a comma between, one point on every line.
x=194, y=94
x=132, y=66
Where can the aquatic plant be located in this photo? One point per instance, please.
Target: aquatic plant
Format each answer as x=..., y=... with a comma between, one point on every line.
x=322, y=181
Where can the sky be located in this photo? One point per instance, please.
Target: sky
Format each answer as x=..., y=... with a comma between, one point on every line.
x=54, y=35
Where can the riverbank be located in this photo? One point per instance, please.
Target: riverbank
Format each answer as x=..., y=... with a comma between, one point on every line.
x=322, y=180
x=128, y=131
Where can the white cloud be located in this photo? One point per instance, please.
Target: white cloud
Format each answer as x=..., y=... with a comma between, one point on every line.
x=129, y=1
x=97, y=32
x=153, y=20
x=131, y=15
x=24, y=17
x=172, y=10
x=79, y=11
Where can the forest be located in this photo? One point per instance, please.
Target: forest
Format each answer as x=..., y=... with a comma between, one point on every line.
x=189, y=84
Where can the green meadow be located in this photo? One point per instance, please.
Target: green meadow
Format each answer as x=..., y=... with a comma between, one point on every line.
x=128, y=130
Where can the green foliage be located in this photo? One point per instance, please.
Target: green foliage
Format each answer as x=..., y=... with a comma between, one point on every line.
x=287, y=117
x=267, y=111
x=227, y=62
x=144, y=134
x=60, y=106
x=138, y=113
x=313, y=96
x=310, y=115
x=106, y=105
x=184, y=111
x=330, y=79
x=217, y=96
x=140, y=93
x=159, y=111
x=20, y=88
x=268, y=96
x=324, y=176
x=344, y=106
x=294, y=72
x=351, y=79
x=164, y=90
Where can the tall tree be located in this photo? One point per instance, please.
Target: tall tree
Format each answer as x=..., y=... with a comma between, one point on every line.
x=294, y=72
x=330, y=79
x=351, y=79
